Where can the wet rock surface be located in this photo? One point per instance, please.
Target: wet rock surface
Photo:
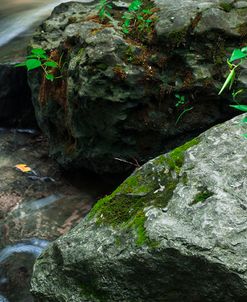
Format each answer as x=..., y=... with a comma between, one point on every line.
x=117, y=96
x=36, y=207
x=175, y=230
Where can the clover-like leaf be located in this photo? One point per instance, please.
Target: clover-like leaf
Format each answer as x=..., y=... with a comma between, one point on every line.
x=20, y=64
x=32, y=64
x=51, y=64
x=38, y=51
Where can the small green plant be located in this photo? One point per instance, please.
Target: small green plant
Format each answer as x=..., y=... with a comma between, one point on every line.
x=104, y=8
x=39, y=59
x=130, y=15
x=236, y=59
x=182, y=102
x=137, y=19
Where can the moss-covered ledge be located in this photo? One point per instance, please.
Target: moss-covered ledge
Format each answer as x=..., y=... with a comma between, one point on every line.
x=151, y=185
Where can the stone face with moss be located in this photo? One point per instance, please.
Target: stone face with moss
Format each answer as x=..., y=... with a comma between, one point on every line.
x=117, y=96
x=174, y=231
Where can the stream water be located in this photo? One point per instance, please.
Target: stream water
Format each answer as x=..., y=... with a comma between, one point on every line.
x=18, y=18
x=36, y=207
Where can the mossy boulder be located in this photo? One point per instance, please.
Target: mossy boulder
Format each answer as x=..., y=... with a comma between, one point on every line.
x=116, y=101
x=174, y=231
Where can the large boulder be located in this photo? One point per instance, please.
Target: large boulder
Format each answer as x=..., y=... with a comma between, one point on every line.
x=174, y=231
x=116, y=99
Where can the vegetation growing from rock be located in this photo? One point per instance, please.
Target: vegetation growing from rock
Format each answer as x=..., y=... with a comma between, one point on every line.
x=39, y=59
x=235, y=61
x=137, y=22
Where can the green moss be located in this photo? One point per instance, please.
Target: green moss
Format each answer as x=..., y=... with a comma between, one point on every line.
x=175, y=158
x=134, y=184
x=202, y=196
x=124, y=208
x=137, y=223
x=227, y=7
x=130, y=53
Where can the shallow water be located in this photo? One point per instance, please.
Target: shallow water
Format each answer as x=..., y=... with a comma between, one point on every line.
x=33, y=246
x=34, y=211
x=17, y=259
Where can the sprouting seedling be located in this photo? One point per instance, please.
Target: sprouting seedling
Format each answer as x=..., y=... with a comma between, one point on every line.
x=39, y=59
x=181, y=101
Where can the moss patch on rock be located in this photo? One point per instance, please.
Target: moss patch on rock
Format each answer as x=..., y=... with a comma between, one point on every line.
x=152, y=185
x=202, y=196
x=175, y=158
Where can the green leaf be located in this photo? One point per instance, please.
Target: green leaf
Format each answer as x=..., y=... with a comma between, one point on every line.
x=49, y=76
x=125, y=30
x=51, y=64
x=244, y=135
x=147, y=11
x=237, y=54
x=32, y=64
x=20, y=64
x=134, y=5
x=244, y=49
x=240, y=107
x=38, y=51
x=232, y=79
x=31, y=57
x=228, y=80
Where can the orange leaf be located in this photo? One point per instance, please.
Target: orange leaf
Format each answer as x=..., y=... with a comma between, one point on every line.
x=23, y=168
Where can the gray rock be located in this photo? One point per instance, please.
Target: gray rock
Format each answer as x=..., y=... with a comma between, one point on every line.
x=117, y=98
x=175, y=230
